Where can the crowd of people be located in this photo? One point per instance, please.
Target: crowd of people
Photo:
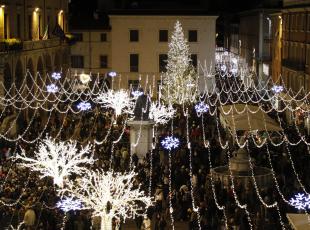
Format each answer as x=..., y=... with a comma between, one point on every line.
x=27, y=198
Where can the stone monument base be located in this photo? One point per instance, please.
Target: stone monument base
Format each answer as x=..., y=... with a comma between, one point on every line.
x=141, y=141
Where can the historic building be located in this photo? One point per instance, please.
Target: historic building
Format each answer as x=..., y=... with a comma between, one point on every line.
x=29, y=39
x=136, y=45
x=295, y=20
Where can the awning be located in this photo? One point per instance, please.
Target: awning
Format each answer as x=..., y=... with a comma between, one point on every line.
x=298, y=221
x=247, y=118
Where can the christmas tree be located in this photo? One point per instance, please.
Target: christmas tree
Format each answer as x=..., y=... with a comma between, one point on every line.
x=180, y=80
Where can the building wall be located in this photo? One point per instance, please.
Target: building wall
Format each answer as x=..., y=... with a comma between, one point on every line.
x=296, y=55
x=276, y=46
x=295, y=2
x=148, y=47
x=27, y=20
x=91, y=47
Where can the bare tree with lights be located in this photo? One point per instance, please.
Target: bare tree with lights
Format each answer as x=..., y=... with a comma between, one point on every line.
x=57, y=159
x=180, y=82
x=119, y=100
x=110, y=195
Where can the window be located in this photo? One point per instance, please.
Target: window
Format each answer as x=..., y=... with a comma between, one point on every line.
x=192, y=36
x=133, y=84
x=134, y=62
x=162, y=61
x=78, y=37
x=163, y=35
x=104, y=61
x=103, y=37
x=194, y=60
x=134, y=35
x=77, y=61
x=18, y=32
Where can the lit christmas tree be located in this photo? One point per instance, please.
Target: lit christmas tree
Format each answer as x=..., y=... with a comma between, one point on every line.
x=109, y=195
x=180, y=82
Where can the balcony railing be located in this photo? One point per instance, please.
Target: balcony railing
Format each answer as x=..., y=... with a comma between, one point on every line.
x=41, y=44
x=294, y=65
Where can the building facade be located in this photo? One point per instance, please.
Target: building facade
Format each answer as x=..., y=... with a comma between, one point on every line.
x=296, y=44
x=29, y=25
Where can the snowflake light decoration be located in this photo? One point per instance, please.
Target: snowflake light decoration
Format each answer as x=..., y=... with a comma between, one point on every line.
x=57, y=159
x=170, y=142
x=83, y=106
x=234, y=70
x=160, y=113
x=301, y=201
x=234, y=61
x=109, y=195
x=201, y=107
x=85, y=78
x=69, y=204
x=119, y=100
x=112, y=74
x=56, y=75
x=52, y=88
x=277, y=88
x=137, y=93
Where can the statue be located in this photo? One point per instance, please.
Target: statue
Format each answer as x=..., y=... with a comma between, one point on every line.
x=142, y=107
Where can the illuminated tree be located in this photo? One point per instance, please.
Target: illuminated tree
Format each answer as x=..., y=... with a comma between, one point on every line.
x=109, y=195
x=180, y=82
x=57, y=159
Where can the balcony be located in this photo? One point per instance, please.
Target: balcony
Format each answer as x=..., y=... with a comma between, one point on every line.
x=41, y=44
x=294, y=65
x=10, y=45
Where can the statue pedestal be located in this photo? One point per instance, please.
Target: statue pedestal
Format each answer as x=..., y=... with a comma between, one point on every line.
x=143, y=138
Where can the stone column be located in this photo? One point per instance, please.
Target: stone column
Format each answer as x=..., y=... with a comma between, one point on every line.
x=142, y=138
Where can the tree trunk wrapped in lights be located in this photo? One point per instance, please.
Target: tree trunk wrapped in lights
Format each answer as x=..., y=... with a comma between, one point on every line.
x=109, y=195
x=180, y=82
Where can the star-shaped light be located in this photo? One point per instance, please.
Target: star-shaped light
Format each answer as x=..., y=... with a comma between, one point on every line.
x=69, y=204
x=301, y=201
x=52, y=88
x=83, y=106
x=112, y=74
x=170, y=142
x=201, y=107
x=277, y=88
x=56, y=75
x=137, y=93
x=85, y=78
